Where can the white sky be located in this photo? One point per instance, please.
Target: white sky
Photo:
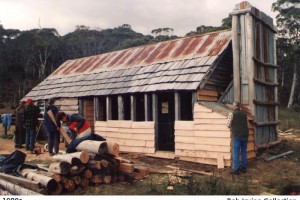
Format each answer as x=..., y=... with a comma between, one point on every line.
x=143, y=15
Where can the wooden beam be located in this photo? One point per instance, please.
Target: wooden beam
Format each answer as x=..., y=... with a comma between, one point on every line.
x=265, y=83
x=147, y=107
x=133, y=107
x=265, y=64
x=236, y=57
x=177, y=106
x=121, y=115
x=108, y=108
x=266, y=103
x=155, y=116
x=266, y=123
x=250, y=64
x=96, y=108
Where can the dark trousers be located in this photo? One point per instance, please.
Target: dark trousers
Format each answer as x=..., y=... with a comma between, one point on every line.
x=19, y=135
x=53, y=141
x=5, y=130
x=30, y=138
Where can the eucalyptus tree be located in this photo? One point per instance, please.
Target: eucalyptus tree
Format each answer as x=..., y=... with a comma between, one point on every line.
x=288, y=24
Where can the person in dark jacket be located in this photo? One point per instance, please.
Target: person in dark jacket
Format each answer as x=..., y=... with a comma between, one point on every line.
x=238, y=123
x=76, y=123
x=31, y=114
x=52, y=129
x=20, y=131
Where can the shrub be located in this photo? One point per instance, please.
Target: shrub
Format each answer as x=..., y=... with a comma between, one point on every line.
x=295, y=108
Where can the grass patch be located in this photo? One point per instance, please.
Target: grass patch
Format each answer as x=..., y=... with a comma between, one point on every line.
x=288, y=118
x=199, y=185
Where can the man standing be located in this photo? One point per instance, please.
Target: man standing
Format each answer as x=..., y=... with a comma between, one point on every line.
x=20, y=131
x=31, y=114
x=238, y=123
x=52, y=130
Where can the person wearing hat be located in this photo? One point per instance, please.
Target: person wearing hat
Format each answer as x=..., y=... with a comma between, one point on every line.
x=31, y=114
x=51, y=128
x=238, y=123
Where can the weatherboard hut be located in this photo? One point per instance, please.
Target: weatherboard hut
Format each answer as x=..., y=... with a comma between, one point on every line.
x=172, y=99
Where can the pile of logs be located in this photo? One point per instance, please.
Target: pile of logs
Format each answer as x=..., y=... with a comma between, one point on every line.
x=96, y=163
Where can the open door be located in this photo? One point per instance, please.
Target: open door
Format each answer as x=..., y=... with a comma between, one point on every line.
x=166, y=118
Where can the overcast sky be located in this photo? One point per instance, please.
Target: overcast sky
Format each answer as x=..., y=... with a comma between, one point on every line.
x=143, y=15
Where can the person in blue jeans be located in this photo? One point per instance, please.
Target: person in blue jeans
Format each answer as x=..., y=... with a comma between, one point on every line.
x=52, y=130
x=238, y=123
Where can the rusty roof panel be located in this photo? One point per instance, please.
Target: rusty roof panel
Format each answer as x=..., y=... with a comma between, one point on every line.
x=179, y=64
x=187, y=48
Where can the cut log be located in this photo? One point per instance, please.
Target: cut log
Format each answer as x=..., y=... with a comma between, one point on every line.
x=140, y=172
x=73, y=158
x=76, y=179
x=15, y=189
x=104, y=163
x=22, y=182
x=87, y=173
x=94, y=164
x=76, y=171
x=121, y=178
x=84, y=182
x=138, y=176
x=113, y=148
x=126, y=167
x=98, y=147
x=96, y=179
x=58, y=190
x=107, y=179
x=49, y=183
x=55, y=176
x=68, y=184
x=123, y=160
x=60, y=167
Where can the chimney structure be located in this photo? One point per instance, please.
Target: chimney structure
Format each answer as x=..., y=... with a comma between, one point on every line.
x=255, y=69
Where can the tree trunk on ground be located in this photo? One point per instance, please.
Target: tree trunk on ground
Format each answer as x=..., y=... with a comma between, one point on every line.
x=60, y=168
x=49, y=183
x=98, y=147
x=15, y=189
x=293, y=86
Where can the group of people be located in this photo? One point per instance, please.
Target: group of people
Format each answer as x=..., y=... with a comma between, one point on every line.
x=27, y=115
x=27, y=118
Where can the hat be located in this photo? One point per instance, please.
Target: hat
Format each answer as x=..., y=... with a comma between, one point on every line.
x=29, y=101
x=51, y=101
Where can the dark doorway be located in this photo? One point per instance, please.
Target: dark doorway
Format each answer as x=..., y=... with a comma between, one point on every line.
x=166, y=118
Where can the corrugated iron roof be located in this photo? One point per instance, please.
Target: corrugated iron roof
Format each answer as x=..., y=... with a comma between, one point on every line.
x=178, y=64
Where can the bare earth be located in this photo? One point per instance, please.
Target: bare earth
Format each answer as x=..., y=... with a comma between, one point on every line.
x=262, y=177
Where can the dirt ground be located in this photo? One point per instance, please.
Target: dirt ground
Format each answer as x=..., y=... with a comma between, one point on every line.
x=273, y=177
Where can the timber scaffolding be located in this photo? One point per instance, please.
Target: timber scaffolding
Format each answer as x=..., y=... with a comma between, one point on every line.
x=171, y=99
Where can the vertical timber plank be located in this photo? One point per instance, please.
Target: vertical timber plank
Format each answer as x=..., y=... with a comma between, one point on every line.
x=108, y=108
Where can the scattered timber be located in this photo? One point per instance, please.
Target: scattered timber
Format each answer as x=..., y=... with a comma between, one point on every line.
x=279, y=155
x=16, y=189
